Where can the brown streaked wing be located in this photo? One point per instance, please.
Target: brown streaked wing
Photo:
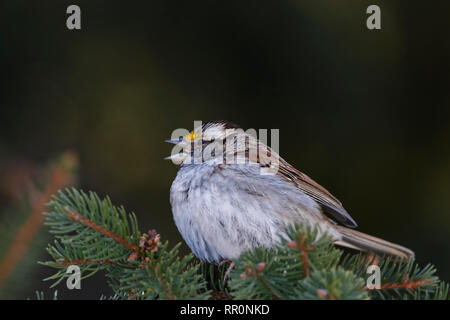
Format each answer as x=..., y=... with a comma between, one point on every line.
x=331, y=206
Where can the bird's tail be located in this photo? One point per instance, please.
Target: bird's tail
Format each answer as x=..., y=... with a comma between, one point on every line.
x=360, y=241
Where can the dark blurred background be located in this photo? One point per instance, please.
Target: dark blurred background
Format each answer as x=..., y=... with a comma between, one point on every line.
x=365, y=113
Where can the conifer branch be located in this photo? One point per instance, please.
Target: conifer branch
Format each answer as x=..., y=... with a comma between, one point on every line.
x=77, y=217
x=300, y=244
x=95, y=235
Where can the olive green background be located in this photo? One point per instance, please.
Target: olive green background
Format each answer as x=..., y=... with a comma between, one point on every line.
x=364, y=113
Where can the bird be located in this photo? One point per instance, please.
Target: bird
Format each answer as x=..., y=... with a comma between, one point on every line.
x=233, y=193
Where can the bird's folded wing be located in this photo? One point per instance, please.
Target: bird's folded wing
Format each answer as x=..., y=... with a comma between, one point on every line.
x=331, y=206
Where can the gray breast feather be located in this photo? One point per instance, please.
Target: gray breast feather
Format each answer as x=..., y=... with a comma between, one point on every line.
x=222, y=212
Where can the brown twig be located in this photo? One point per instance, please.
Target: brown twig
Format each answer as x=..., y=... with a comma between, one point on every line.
x=59, y=176
x=256, y=273
x=164, y=284
x=77, y=217
x=219, y=295
x=66, y=263
x=410, y=285
x=302, y=246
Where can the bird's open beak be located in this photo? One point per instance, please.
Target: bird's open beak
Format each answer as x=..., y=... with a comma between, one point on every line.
x=173, y=141
x=176, y=158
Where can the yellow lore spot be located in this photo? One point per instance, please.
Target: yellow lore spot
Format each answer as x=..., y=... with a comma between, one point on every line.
x=192, y=136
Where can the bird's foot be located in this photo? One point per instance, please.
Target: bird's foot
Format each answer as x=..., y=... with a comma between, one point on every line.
x=227, y=272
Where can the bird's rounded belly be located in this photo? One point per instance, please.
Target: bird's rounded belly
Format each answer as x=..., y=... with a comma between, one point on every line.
x=220, y=216
x=217, y=226
x=218, y=223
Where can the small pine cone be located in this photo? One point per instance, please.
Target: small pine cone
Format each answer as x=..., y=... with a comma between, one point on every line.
x=150, y=241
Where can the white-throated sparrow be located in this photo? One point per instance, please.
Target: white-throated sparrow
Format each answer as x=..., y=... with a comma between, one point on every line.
x=233, y=193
